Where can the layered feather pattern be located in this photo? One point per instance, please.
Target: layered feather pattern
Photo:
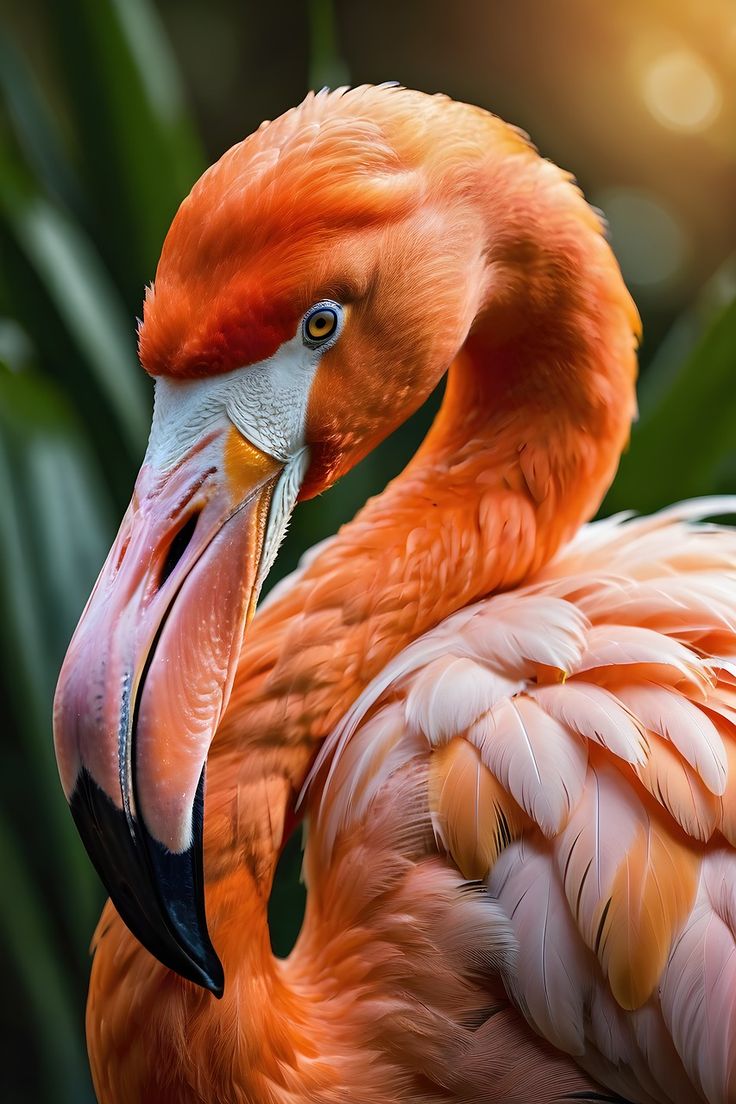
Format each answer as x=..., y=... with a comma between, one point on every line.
x=581, y=741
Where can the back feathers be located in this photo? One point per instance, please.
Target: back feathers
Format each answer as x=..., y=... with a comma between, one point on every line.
x=579, y=737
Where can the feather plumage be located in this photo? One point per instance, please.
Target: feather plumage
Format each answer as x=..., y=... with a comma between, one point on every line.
x=540, y=761
x=698, y=987
x=616, y=740
x=687, y=728
x=474, y=817
x=471, y=684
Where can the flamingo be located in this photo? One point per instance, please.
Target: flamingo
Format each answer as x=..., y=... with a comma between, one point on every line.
x=510, y=731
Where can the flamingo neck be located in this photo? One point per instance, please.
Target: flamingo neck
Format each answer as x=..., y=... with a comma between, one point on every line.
x=536, y=412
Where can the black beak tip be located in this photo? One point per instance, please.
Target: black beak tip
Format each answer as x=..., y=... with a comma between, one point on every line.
x=205, y=971
x=214, y=979
x=158, y=893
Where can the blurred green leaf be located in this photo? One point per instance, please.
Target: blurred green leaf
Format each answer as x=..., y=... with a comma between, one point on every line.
x=55, y=526
x=288, y=898
x=80, y=290
x=28, y=935
x=136, y=145
x=327, y=69
x=34, y=128
x=685, y=443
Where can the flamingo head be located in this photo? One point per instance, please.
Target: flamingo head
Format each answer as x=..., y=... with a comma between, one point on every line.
x=311, y=291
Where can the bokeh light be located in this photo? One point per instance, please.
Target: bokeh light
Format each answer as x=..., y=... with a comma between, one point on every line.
x=682, y=91
x=648, y=238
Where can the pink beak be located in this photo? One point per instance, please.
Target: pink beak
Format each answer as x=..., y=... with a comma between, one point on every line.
x=145, y=681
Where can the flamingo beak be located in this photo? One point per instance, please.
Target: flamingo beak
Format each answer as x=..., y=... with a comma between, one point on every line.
x=147, y=677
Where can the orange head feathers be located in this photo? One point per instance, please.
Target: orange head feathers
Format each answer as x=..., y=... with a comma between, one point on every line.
x=394, y=204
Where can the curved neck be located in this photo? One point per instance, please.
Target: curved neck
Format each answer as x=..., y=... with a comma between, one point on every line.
x=537, y=410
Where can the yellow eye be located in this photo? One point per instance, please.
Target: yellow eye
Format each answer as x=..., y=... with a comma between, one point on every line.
x=321, y=322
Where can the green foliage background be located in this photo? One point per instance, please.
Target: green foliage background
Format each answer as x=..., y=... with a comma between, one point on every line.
x=88, y=186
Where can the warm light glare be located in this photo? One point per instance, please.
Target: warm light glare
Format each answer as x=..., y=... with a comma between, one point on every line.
x=681, y=91
x=647, y=238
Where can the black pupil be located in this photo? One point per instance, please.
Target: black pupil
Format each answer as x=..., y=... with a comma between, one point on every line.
x=322, y=323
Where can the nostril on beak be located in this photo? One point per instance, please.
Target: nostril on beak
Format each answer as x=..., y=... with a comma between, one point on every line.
x=178, y=547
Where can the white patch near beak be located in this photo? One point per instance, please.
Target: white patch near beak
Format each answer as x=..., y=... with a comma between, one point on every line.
x=282, y=506
x=266, y=402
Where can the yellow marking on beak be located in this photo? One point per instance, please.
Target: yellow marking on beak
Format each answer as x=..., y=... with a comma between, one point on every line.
x=245, y=465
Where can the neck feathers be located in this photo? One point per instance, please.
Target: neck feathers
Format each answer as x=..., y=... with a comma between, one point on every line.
x=540, y=399
x=537, y=410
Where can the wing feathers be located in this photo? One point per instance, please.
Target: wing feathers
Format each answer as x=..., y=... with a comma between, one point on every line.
x=473, y=816
x=652, y=895
x=448, y=695
x=688, y=728
x=679, y=789
x=576, y=739
x=629, y=650
x=552, y=980
x=699, y=988
x=596, y=714
x=628, y=881
x=537, y=759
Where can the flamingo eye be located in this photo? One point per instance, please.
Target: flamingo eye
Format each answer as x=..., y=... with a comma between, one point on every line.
x=321, y=323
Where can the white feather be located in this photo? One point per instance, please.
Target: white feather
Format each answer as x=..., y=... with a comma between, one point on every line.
x=688, y=728
x=552, y=978
x=535, y=757
x=597, y=714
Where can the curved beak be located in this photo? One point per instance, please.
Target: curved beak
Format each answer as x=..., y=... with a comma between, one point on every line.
x=148, y=675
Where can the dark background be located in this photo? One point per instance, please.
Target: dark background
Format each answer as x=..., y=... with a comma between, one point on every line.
x=109, y=111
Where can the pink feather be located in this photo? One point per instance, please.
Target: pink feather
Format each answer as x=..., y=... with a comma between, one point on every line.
x=535, y=757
